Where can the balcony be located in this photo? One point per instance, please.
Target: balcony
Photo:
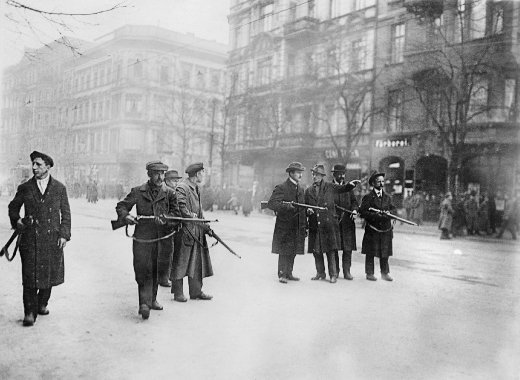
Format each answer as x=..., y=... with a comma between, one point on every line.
x=425, y=9
x=301, y=28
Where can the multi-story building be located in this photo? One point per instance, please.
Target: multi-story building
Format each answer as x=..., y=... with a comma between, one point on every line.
x=330, y=81
x=138, y=94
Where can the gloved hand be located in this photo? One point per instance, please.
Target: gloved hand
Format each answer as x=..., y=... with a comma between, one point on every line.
x=129, y=219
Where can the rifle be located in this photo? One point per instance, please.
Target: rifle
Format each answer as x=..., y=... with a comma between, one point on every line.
x=305, y=205
x=27, y=221
x=391, y=216
x=344, y=209
x=219, y=240
x=120, y=223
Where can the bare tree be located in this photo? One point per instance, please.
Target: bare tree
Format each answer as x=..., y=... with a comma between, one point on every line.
x=44, y=25
x=457, y=59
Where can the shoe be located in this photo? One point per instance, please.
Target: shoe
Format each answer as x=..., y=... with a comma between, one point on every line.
x=156, y=305
x=166, y=284
x=347, y=275
x=201, y=296
x=144, y=310
x=319, y=276
x=333, y=280
x=180, y=298
x=28, y=320
x=371, y=277
x=292, y=278
x=386, y=277
x=283, y=280
x=42, y=310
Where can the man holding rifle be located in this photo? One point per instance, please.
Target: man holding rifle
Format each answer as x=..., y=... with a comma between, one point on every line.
x=191, y=254
x=291, y=222
x=152, y=237
x=323, y=223
x=377, y=241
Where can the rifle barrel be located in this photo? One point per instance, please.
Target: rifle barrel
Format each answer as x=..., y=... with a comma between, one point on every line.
x=343, y=209
x=217, y=238
x=305, y=205
x=393, y=216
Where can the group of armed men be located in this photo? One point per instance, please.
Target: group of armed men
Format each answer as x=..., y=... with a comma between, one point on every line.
x=169, y=240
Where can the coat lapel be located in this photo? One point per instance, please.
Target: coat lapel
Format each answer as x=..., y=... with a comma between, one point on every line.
x=145, y=190
x=35, y=191
x=160, y=195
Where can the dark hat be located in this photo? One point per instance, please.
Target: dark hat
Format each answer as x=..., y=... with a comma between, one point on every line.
x=339, y=168
x=194, y=168
x=373, y=176
x=156, y=165
x=172, y=174
x=295, y=166
x=320, y=169
x=43, y=156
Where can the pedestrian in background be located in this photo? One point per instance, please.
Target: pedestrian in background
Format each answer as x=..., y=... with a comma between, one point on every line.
x=446, y=216
x=152, y=237
x=471, y=212
x=45, y=231
x=291, y=222
x=459, y=217
x=417, y=204
x=510, y=218
x=492, y=213
x=483, y=223
x=347, y=226
x=191, y=254
x=377, y=240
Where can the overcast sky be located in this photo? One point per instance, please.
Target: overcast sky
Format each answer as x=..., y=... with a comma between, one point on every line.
x=205, y=18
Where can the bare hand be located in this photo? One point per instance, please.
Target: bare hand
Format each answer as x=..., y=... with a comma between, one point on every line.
x=290, y=207
x=19, y=225
x=353, y=215
x=310, y=211
x=129, y=219
x=62, y=243
x=159, y=221
x=355, y=182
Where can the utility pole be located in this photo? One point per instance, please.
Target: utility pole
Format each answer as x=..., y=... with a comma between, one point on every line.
x=211, y=139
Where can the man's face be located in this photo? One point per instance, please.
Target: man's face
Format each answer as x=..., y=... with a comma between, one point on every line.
x=199, y=176
x=339, y=176
x=39, y=168
x=379, y=182
x=317, y=177
x=296, y=175
x=172, y=182
x=156, y=177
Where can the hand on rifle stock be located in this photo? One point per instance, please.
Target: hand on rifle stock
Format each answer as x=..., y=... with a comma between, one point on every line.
x=129, y=219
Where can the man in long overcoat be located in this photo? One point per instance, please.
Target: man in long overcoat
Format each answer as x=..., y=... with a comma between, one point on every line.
x=446, y=216
x=347, y=225
x=377, y=241
x=191, y=254
x=45, y=231
x=153, y=236
x=291, y=222
x=323, y=224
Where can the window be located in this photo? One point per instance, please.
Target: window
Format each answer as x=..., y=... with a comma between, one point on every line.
x=114, y=140
x=215, y=81
x=201, y=77
x=477, y=22
x=116, y=106
x=478, y=102
x=101, y=78
x=100, y=111
x=164, y=75
x=362, y=116
x=134, y=103
x=95, y=80
x=395, y=110
x=264, y=72
x=107, y=109
x=362, y=4
x=186, y=73
x=496, y=15
x=93, y=112
x=265, y=23
x=397, y=44
x=510, y=98
x=138, y=69
x=338, y=8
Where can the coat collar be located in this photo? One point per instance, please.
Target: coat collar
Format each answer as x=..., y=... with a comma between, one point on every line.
x=147, y=194
x=36, y=191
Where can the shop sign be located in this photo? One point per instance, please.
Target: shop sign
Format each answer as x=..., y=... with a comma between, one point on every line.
x=333, y=153
x=393, y=143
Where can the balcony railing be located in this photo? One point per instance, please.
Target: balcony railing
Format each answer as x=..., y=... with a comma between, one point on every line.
x=301, y=27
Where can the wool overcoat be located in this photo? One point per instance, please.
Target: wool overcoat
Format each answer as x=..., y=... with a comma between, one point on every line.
x=165, y=203
x=190, y=242
x=375, y=242
x=291, y=224
x=42, y=259
x=324, y=224
x=347, y=227
x=446, y=217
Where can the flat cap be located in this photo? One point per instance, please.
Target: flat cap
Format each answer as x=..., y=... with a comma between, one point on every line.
x=194, y=168
x=172, y=174
x=47, y=159
x=156, y=165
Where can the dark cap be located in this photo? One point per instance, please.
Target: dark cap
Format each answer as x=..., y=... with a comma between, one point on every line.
x=373, y=176
x=339, y=168
x=194, y=168
x=320, y=169
x=295, y=166
x=172, y=174
x=156, y=165
x=47, y=159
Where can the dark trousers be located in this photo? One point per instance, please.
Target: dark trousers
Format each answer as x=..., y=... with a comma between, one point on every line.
x=164, y=266
x=148, y=289
x=34, y=298
x=445, y=234
x=194, y=283
x=383, y=264
x=331, y=263
x=285, y=265
x=510, y=225
x=346, y=260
